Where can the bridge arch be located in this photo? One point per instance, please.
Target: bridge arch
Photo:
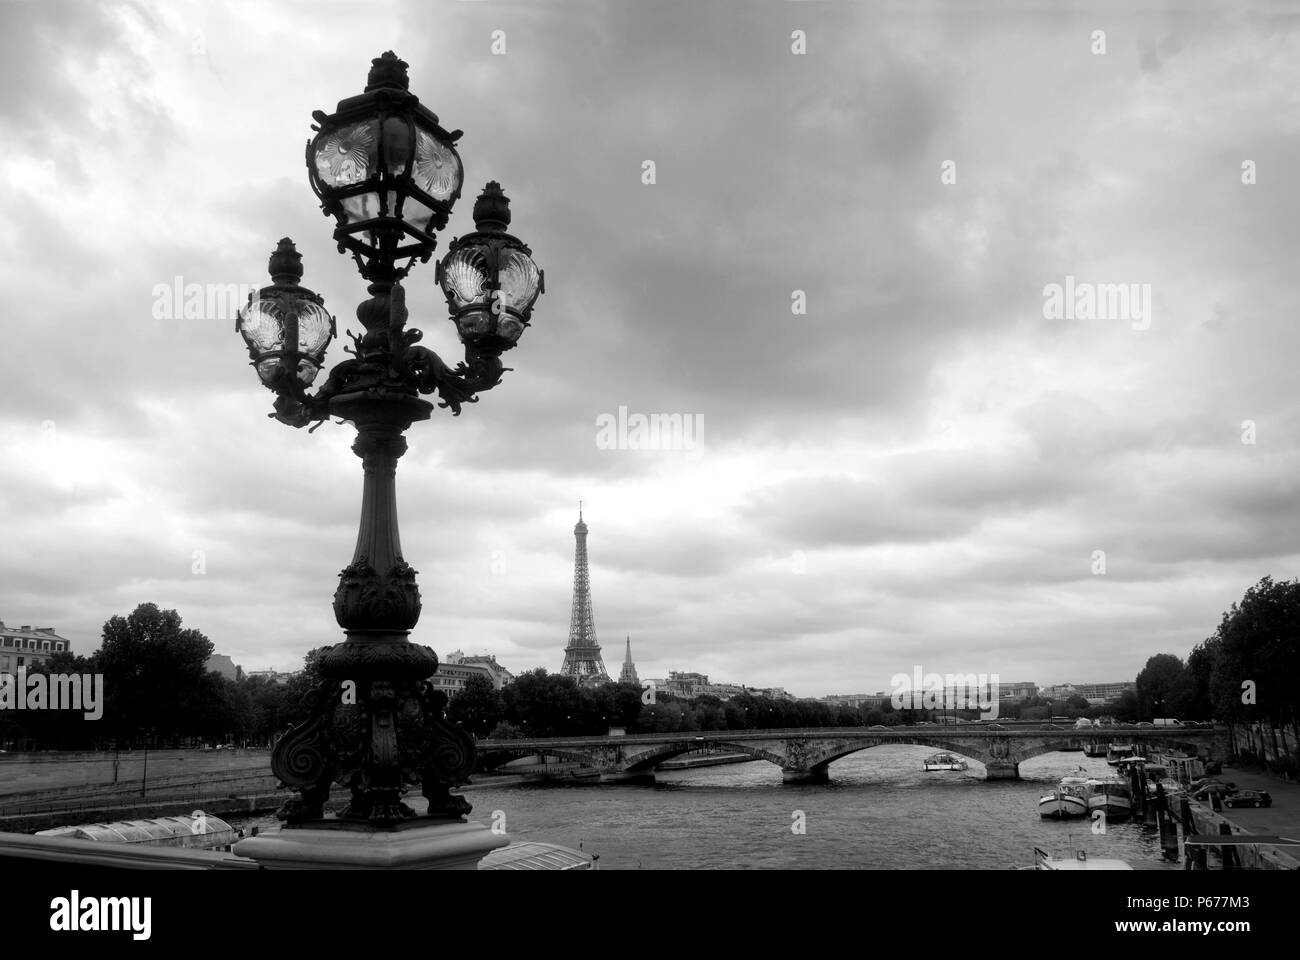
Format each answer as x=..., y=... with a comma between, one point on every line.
x=838, y=752
x=499, y=756
x=648, y=759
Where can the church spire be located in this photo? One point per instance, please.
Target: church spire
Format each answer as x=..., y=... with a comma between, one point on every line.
x=628, y=674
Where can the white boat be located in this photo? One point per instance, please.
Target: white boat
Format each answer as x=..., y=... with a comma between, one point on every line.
x=1069, y=799
x=1111, y=795
x=1080, y=861
x=199, y=831
x=532, y=855
x=944, y=761
x=1119, y=751
x=1152, y=774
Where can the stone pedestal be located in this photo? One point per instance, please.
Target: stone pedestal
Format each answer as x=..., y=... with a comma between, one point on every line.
x=445, y=845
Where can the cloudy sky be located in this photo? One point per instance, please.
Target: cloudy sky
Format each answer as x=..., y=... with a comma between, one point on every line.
x=918, y=469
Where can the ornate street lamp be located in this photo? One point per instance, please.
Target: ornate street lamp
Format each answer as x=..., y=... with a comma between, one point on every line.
x=389, y=174
x=386, y=170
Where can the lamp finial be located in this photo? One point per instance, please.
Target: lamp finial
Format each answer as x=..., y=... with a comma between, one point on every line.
x=388, y=71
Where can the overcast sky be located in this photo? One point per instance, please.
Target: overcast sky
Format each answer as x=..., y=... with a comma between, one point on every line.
x=918, y=471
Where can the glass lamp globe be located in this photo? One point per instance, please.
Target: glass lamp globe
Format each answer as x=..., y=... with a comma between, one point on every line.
x=386, y=170
x=287, y=328
x=489, y=278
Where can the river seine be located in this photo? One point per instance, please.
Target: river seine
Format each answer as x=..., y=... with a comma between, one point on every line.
x=880, y=811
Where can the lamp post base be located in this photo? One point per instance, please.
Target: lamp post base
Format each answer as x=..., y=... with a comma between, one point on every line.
x=412, y=846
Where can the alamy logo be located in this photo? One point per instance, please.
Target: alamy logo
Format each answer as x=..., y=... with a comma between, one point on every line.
x=54, y=691
x=656, y=431
x=946, y=691
x=75, y=913
x=1098, y=301
x=199, y=301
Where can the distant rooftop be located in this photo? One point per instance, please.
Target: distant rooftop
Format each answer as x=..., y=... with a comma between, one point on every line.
x=29, y=630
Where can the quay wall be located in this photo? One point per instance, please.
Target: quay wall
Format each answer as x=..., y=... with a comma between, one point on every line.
x=54, y=771
x=217, y=806
x=1206, y=821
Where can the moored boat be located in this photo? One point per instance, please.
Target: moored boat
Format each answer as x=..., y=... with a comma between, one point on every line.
x=944, y=761
x=1111, y=795
x=1080, y=861
x=197, y=831
x=531, y=855
x=1182, y=768
x=1069, y=799
x=1119, y=751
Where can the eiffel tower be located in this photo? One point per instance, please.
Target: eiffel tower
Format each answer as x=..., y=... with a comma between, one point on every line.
x=582, y=654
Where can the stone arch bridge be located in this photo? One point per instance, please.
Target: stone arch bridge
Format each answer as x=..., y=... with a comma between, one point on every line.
x=805, y=755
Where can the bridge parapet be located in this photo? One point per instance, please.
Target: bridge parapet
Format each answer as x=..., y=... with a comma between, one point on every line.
x=805, y=755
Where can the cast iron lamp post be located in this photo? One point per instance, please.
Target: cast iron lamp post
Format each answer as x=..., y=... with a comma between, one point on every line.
x=389, y=174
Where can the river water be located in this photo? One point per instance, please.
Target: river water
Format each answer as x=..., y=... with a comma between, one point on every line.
x=880, y=811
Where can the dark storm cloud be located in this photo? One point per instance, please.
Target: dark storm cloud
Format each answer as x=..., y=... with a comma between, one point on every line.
x=830, y=524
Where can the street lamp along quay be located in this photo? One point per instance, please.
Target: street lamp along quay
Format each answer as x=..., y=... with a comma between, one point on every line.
x=389, y=174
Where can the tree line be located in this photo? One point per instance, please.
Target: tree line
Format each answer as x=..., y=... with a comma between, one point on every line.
x=1246, y=672
x=159, y=692
x=541, y=704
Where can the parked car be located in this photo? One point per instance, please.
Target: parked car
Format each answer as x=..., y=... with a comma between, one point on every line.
x=1201, y=789
x=1248, y=798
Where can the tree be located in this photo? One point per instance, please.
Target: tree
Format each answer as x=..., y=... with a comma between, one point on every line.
x=477, y=706
x=223, y=711
x=1037, y=709
x=627, y=704
x=1077, y=705
x=303, y=683
x=735, y=716
x=873, y=717
x=542, y=704
x=1256, y=656
x=710, y=716
x=154, y=674
x=596, y=711
x=270, y=703
x=1126, y=708
x=65, y=729
x=1159, y=685
x=661, y=717
x=505, y=731
x=1198, y=678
